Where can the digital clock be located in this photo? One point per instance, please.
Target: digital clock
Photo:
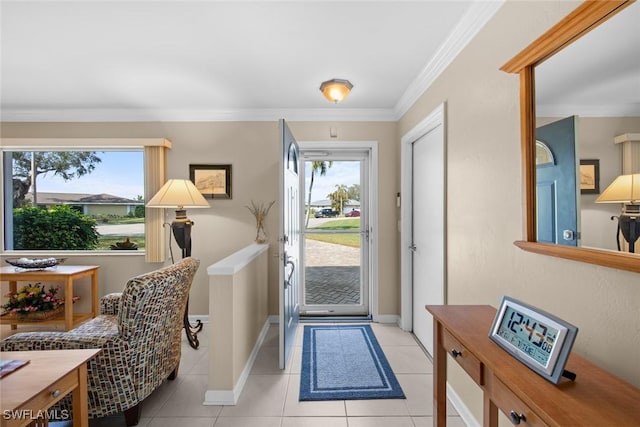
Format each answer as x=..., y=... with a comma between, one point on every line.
x=534, y=337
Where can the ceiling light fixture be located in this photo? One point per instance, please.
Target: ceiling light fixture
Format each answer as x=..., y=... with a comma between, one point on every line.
x=335, y=90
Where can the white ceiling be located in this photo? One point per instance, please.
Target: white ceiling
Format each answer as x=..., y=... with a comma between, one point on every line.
x=597, y=75
x=90, y=60
x=225, y=60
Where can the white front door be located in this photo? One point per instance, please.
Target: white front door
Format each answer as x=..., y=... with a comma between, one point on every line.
x=290, y=244
x=337, y=232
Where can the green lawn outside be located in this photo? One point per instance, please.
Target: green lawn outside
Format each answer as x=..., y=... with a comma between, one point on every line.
x=352, y=240
x=339, y=224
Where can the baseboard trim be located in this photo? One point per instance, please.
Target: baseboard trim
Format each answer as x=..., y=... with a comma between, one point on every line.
x=462, y=409
x=387, y=318
x=230, y=397
x=204, y=318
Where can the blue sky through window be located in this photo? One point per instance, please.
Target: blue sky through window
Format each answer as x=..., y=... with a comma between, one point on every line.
x=341, y=172
x=121, y=173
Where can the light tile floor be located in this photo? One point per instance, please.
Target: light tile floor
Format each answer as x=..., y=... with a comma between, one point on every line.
x=270, y=396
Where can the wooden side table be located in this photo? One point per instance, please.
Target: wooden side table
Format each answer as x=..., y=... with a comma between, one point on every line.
x=49, y=376
x=596, y=398
x=65, y=274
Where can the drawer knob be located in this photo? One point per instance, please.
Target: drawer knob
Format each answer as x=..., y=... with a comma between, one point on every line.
x=55, y=393
x=516, y=417
x=455, y=353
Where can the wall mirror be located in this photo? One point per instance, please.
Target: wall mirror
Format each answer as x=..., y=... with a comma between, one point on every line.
x=540, y=57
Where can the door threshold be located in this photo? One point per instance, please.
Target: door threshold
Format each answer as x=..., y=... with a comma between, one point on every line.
x=334, y=319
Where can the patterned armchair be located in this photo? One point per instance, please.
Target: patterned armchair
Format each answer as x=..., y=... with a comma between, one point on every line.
x=139, y=331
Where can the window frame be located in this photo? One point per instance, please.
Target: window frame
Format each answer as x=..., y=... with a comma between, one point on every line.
x=154, y=153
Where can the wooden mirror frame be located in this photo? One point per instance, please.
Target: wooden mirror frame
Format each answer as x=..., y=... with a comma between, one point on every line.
x=583, y=19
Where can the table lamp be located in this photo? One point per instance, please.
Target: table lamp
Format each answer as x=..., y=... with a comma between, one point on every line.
x=181, y=194
x=625, y=189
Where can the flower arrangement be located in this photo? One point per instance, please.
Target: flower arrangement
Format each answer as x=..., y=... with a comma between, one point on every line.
x=260, y=213
x=32, y=298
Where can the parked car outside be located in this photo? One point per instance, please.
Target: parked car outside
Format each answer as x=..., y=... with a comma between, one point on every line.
x=353, y=213
x=326, y=213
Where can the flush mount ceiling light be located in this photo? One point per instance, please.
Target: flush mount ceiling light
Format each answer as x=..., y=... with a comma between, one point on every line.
x=335, y=90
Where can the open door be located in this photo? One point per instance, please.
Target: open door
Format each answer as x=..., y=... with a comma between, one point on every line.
x=289, y=242
x=556, y=183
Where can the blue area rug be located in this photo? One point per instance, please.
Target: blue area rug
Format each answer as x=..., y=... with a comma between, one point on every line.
x=345, y=362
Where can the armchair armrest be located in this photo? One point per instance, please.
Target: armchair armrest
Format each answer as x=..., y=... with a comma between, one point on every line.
x=100, y=333
x=110, y=303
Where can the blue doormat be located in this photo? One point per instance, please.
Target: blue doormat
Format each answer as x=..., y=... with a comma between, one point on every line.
x=345, y=362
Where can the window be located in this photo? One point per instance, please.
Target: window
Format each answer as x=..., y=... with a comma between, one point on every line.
x=57, y=197
x=74, y=200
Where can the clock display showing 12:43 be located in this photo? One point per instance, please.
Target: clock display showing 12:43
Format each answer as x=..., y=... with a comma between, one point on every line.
x=529, y=335
x=536, y=338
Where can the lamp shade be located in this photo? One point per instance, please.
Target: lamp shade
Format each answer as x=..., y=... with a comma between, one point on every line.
x=178, y=193
x=624, y=189
x=335, y=90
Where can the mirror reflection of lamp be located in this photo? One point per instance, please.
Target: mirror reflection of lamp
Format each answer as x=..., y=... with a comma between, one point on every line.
x=181, y=194
x=625, y=189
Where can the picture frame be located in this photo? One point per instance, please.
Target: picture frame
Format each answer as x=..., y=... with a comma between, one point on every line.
x=589, y=176
x=537, y=339
x=213, y=181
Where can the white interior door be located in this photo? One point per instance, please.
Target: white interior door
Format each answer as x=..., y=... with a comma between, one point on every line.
x=428, y=224
x=289, y=247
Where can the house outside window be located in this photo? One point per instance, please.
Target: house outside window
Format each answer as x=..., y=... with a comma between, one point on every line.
x=58, y=199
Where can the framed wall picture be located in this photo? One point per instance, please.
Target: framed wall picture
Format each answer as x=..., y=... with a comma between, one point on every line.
x=213, y=181
x=589, y=176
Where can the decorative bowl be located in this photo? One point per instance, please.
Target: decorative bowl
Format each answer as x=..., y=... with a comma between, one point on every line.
x=34, y=263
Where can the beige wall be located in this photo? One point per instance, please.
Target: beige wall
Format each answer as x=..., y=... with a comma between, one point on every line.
x=252, y=149
x=484, y=202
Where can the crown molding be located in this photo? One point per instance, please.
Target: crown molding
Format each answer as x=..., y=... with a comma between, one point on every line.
x=565, y=110
x=471, y=23
x=173, y=115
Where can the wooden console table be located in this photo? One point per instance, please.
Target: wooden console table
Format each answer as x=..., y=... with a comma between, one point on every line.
x=62, y=273
x=48, y=377
x=596, y=398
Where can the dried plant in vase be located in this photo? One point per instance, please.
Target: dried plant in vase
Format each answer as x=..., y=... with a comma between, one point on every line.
x=260, y=213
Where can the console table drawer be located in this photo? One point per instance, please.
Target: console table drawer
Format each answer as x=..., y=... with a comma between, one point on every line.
x=55, y=392
x=514, y=408
x=464, y=357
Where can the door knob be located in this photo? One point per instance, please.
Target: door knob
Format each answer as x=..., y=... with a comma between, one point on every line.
x=516, y=418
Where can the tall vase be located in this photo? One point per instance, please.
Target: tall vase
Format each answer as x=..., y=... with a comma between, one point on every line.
x=261, y=234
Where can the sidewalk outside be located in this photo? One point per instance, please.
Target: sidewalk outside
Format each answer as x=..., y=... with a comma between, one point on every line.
x=332, y=273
